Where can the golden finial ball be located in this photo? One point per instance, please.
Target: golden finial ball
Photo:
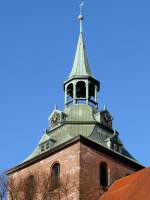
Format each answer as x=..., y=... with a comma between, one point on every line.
x=81, y=17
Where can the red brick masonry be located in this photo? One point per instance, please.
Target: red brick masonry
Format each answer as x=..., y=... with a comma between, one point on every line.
x=79, y=165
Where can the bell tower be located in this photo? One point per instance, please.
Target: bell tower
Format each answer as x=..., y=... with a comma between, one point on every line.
x=81, y=87
x=79, y=154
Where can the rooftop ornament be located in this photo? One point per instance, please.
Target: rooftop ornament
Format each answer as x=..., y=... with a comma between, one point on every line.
x=81, y=17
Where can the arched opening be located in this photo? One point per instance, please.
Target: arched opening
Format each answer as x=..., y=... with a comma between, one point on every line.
x=70, y=92
x=103, y=175
x=81, y=89
x=92, y=91
x=81, y=92
x=55, y=176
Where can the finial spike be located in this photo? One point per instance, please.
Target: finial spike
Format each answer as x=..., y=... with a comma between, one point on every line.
x=105, y=108
x=55, y=107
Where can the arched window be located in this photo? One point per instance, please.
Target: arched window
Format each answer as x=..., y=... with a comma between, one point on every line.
x=70, y=92
x=55, y=176
x=81, y=89
x=29, y=186
x=103, y=175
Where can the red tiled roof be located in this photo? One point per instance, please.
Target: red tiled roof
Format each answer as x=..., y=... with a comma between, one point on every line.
x=132, y=187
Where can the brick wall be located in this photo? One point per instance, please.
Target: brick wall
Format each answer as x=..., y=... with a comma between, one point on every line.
x=79, y=171
x=90, y=176
x=69, y=160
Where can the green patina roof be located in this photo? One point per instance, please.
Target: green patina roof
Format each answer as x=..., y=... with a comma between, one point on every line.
x=80, y=65
x=80, y=121
x=81, y=113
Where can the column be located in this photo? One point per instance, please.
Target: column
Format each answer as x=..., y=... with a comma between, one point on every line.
x=65, y=96
x=96, y=96
x=74, y=93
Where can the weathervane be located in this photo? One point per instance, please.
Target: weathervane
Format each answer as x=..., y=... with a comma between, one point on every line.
x=81, y=8
x=81, y=17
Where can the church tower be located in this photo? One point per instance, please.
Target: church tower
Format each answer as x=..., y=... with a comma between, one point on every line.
x=79, y=155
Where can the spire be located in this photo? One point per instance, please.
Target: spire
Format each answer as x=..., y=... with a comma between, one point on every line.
x=81, y=87
x=80, y=65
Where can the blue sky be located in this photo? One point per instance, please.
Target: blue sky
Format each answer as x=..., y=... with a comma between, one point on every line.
x=37, y=46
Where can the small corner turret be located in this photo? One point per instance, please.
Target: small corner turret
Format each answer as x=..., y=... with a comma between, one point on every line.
x=106, y=118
